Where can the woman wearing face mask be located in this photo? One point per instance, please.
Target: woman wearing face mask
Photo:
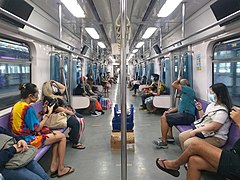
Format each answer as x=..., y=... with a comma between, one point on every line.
x=24, y=123
x=218, y=109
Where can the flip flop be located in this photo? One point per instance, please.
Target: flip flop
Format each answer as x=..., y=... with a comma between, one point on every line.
x=172, y=172
x=71, y=170
x=79, y=146
x=54, y=174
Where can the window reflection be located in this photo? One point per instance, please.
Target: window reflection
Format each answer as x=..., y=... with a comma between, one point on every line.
x=228, y=72
x=14, y=69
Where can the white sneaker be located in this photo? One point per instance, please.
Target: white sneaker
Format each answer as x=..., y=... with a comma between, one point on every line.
x=96, y=114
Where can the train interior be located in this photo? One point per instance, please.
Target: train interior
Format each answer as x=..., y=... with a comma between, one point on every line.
x=127, y=40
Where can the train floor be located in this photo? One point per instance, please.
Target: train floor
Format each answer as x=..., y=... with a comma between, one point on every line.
x=99, y=162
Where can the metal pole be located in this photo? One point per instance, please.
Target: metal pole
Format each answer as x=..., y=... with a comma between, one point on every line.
x=60, y=19
x=123, y=91
x=183, y=18
x=70, y=74
x=160, y=38
x=150, y=47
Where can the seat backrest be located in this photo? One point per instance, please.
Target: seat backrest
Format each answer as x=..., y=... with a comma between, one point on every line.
x=4, y=121
x=233, y=136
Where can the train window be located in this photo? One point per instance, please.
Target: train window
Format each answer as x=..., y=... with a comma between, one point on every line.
x=226, y=67
x=14, y=69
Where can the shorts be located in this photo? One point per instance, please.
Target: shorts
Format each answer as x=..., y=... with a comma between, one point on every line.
x=229, y=165
x=174, y=119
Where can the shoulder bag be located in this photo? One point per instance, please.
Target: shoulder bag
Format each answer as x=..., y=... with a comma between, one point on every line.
x=57, y=121
x=206, y=119
x=19, y=159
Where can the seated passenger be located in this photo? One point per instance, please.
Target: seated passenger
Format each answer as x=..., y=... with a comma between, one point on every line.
x=184, y=114
x=81, y=90
x=135, y=86
x=54, y=90
x=24, y=123
x=31, y=171
x=149, y=91
x=160, y=90
x=93, y=88
x=202, y=156
x=106, y=85
x=216, y=118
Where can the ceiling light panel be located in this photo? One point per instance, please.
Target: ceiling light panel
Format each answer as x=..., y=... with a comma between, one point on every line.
x=140, y=44
x=168, y=7
x=74, y=8
x=134, y=51
x=102, y=45
x=149, y=32
x=93, y=33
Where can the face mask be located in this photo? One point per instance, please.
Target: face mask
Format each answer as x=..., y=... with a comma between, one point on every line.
x=212, y=98
x=34, y=99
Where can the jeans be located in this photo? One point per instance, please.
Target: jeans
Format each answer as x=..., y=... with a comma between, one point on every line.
x=74, y=124
x=31, y=171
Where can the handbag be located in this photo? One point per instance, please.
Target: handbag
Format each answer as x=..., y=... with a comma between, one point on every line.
x=57, y=121
x=19, y=159
x=206, y=119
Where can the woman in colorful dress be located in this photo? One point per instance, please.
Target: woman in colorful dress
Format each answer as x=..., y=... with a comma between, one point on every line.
x=24, y=123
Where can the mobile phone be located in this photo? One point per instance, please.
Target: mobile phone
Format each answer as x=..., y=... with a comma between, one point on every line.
x=54, y=101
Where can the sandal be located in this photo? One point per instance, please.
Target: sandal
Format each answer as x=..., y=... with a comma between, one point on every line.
x=54, y=174
x=172, y=172
x=70, y=170
x=78, y=146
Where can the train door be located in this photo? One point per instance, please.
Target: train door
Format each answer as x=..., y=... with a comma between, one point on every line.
x=59, y=68
x=182, y=66
x=166, y=72
x=55, y=59
x=76, y=72
x=187, y=69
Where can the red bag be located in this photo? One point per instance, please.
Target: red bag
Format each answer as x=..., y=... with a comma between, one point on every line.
x=98, y=106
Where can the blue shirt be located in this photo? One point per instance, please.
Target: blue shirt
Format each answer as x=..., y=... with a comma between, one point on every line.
x=186, y=103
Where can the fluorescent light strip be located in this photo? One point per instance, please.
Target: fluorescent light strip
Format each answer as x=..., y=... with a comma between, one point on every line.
x=93, y=33
x=140, y=44
x=74, y=8
x=149, y=32
x=168, y=7
x=102, y=45
x=134, y=51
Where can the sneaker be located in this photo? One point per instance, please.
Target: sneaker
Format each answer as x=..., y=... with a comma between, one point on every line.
x=96, y=114
x=100, y=112
x=160, y=145
x=170, y=139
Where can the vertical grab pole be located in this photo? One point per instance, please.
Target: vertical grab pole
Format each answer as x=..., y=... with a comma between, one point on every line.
x=123, y=91
x=60, y=20
x=183, y=19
